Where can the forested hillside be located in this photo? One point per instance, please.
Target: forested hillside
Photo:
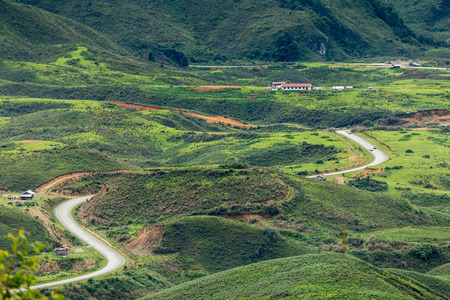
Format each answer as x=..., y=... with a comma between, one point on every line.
x=269, y=30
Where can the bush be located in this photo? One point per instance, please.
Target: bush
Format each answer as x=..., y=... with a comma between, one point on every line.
x=426, y=252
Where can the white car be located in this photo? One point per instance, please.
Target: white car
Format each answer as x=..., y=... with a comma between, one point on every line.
x=374, y=147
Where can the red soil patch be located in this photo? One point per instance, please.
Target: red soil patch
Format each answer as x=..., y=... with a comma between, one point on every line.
x=30, y=141
x=138, y=107
x=248, y=217
x=147, y=239
x=72, y=177
x=209, y=119
x=426, y=117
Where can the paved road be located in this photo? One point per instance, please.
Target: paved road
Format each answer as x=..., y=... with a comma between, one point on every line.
x=114, y=260
x=379, y=156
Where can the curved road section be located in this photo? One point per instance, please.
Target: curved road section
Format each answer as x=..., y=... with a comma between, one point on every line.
x=378, y=155
x=64, y=214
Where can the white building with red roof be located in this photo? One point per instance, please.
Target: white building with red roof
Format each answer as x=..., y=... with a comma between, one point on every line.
x=281, y=85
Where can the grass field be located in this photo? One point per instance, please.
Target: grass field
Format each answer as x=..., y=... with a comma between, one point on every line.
x=413, y=234
x=418, y=166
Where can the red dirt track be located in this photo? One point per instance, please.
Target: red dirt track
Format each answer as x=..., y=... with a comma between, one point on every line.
x=209, y=119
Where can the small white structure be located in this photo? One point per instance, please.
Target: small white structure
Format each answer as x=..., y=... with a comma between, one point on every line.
x=278, y=84
x=349, y=87
x=338, y=88
x=317, y=88
x=28, y=195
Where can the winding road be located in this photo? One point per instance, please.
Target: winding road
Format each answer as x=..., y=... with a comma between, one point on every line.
x=379, y=156
x=114, y=260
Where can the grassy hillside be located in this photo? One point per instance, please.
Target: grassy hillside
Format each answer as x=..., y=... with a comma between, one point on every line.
x=279, y=30
x=149, y=198
x=310, y=207
x=202, y=245
x=308, y=276
x=27, y=164
x=418, y=168
x=429, y=18
x=167, y=138
x=12, y=220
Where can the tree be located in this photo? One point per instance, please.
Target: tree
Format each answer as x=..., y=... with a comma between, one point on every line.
x=16, y=267
x=286, y=48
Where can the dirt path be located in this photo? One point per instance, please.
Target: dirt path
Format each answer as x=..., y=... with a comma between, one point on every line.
x=71, y=177
x=427, y=117
x=209, y=119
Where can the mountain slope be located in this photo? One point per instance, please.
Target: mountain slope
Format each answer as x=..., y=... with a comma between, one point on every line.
x=313, y=276
x=28, y=33
x=429, y=18
x=266, y=30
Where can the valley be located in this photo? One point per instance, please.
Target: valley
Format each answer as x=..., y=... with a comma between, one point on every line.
x=276, y=149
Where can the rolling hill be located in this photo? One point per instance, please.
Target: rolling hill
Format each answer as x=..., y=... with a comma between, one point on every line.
x=313, y=276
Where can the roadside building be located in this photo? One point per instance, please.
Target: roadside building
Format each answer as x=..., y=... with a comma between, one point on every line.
x=338, y=88
x=28, y=195
x=414, y=64
x=63, y=250
x=297, y=86
x=281, y=85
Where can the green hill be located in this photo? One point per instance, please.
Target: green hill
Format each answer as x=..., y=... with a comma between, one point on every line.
x=11, y=221
x=165, y=219
x=27, y=164
x=428, y=18
x=265, y=30
x=443, y=270
x=202, y=245
x=309, y=206
x=309, y=277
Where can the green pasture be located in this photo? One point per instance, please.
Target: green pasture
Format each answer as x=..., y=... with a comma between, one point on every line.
x=412, y=234
x=418, y=161
x=86, y=74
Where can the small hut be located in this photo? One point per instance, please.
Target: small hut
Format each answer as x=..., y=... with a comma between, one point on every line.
x=63, y=250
